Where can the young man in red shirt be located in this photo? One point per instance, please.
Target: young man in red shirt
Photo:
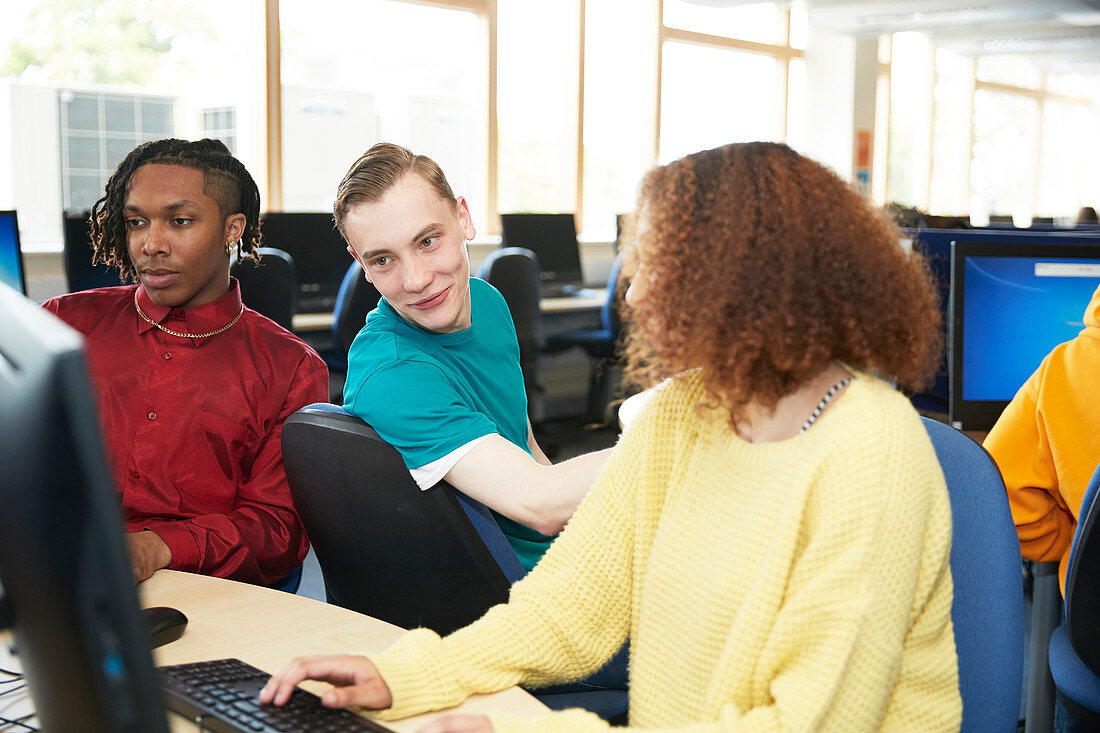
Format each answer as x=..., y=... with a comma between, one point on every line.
x=193, y=387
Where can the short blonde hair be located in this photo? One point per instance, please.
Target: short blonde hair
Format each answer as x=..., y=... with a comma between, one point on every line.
x=377, y=170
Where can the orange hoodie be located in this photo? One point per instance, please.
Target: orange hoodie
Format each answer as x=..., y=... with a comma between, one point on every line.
x=1047, y=444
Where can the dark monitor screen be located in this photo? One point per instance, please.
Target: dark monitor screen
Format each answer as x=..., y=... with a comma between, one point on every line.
x=11, y=256
x=79, y=270
x=68, y=587
x=319, y=252
x=553, y=239
x=1011, y=303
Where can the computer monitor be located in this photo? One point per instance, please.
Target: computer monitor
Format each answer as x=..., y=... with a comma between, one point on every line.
x=11, y=255
x=553, y=239
x=79, y=270
x=1011, y=303
x=319, y=252
x=935, y=246
x=68, y=587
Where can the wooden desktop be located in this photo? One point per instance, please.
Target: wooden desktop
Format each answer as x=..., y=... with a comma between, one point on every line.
x=267, y=628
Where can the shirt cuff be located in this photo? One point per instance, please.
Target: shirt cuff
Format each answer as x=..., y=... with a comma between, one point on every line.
x=185, y=551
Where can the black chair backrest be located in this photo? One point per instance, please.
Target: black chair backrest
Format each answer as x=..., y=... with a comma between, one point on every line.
x=80, y=273
x=357, y=298
x=514, y=271
x=386, y=548
x=1082, y=575
x=270, y=286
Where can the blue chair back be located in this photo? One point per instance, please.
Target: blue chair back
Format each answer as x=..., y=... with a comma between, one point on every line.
x=1082, y=591
x=290, y=583
x=609, y=314
x=356, y=298
x=987, y=611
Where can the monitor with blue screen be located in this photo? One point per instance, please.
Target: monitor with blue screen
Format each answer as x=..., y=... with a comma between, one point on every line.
x=935, y=246
x=11, y=257
x=1011, y=303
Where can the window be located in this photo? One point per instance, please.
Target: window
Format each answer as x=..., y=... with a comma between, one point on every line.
x=349, y=84
x=1067, y=171
x=537, y=93
x=949, y=189
x=1003, y=169
x=910, y=119
x=97, y=131
x=220, y=123
x=77, y=84
x=712, y=96
x=756, y=22
x=618, y=110
x=1017, y=71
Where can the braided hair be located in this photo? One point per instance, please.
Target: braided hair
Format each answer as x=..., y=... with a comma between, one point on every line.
x=225, y=179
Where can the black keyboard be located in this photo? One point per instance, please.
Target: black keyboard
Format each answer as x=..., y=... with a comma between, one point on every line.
x=222, y=696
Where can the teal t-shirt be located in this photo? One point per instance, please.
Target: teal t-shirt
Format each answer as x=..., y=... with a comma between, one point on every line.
x=428, y=393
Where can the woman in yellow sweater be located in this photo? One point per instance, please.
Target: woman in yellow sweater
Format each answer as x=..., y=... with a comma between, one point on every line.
x=772, y=533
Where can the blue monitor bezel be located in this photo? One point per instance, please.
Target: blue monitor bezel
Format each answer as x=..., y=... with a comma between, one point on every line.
x=983, y=414
x=18, y=249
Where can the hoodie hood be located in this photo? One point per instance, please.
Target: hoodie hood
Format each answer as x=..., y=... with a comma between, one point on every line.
x=1092, y=313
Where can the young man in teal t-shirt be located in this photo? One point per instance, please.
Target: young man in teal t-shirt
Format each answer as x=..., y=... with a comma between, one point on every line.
x=435, y=371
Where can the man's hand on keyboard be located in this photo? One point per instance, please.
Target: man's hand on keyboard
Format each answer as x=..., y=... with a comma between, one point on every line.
x=356, y=681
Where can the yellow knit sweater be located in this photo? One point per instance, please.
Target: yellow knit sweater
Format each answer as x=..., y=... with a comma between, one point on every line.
x=796, y=585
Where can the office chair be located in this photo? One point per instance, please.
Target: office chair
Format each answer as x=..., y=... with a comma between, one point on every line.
x=433, y=558
x=270, y=286
x=514, y=271
x=356, y=298
x=600, y=344
x=987, y=611
x=80, y=273
x=290, y=583
x=386, y=548
x=1075, y=645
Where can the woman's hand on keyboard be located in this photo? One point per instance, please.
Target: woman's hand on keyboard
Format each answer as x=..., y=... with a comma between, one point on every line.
x=356, y=681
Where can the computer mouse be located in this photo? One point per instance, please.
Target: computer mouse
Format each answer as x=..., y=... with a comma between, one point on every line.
x=163, y=625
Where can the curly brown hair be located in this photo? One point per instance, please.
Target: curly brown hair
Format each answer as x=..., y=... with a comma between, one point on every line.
x=762, y=265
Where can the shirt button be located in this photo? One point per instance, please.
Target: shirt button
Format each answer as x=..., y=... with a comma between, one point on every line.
x=135, y=474
x=152, y=416
x=167, y=357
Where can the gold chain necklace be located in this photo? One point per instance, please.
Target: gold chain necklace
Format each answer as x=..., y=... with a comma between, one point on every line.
x=226, y=327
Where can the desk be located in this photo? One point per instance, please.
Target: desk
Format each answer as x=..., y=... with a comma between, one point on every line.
x=267, y=628
x=592, y=300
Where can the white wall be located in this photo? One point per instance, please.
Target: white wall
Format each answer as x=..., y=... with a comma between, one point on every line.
x=830, y=81
x=30, y=162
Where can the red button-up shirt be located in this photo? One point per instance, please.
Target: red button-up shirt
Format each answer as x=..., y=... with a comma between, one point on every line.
x=192, y=426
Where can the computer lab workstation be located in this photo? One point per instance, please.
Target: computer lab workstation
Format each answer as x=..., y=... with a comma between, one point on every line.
x=76, y=655
x=1009, y=296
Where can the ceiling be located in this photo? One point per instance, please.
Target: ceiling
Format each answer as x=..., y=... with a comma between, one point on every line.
x=1058, y=35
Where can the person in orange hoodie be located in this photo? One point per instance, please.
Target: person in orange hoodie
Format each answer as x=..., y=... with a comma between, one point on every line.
x=1047, y=444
